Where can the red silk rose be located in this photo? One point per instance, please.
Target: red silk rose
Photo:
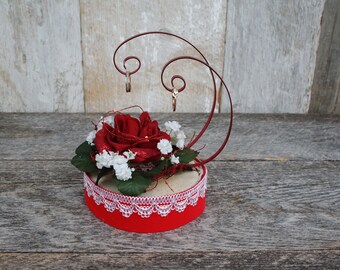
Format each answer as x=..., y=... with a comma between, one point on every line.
x=138, y=135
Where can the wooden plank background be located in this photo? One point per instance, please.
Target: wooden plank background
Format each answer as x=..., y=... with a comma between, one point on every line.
x=57, y=56
x=104, y=28
x=40, y=56
x=326, y=84
x=270, y=54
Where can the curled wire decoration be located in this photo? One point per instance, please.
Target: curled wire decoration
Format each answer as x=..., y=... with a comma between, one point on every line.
x=135, y=70
x=211, y=113
x=219, y=150
x=175, y=90
x=184, y=84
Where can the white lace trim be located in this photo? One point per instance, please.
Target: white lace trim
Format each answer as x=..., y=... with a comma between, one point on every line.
x=145, y=206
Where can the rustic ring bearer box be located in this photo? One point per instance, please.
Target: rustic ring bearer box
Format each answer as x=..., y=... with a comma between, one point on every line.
x=139, y=178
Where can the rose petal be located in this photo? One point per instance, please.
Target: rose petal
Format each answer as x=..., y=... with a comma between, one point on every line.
x=151, y=129
x=132, y=126
x=146, y=154
x=144, y=119
x=119, y=147
x=101, y=141
x=152, y=141
x=127, y=124
x=164, y=135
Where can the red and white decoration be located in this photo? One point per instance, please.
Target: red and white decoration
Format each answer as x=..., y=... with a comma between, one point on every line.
x=124, y=158
x=146, y=214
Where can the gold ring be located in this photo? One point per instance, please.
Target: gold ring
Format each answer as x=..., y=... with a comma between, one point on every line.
x=174, y=99
x=128, y=82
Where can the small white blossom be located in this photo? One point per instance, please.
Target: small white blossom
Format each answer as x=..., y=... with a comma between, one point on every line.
x=123, y=172
x=119, y=160
x=121, y=167
x=172, y=126
x=108, y=119
x=164, y=146
x=174, y=159
x=91, y=137
x=129, y=155
x=180, y=144
x=105, y=159
x=180, y=139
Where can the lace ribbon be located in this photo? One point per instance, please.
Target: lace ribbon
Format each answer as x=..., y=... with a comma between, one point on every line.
x=145, y=206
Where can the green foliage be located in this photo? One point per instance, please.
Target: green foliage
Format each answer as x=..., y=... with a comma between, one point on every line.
x=85, y=147
x=135, y=186
x=82, y=160
x=186, y=155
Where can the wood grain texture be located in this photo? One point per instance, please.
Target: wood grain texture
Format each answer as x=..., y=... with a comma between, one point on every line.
x=273, y=199
x=326, y=84
x=270, y=54
x=253, y=205
x=254, y=137
x=40, y=56
x=105, y=24
x=316, y=259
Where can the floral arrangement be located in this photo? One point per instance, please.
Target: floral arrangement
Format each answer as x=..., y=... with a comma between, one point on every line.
x=134, y=151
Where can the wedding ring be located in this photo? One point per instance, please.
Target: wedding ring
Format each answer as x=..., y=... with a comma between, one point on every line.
x=128, y=82
x=174, y=99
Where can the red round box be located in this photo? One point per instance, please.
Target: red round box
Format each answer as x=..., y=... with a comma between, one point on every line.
x=146, y=214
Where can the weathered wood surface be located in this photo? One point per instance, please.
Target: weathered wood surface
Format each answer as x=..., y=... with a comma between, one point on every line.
x=106, y=24
x=261, y=213
x=40, y=56
x=250, y=205
x=325, y=95
x=312, y=260
x=270, y=54
x=254, y=137
x=271, y=59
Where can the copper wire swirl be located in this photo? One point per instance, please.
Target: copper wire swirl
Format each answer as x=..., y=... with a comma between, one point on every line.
x=180, y=89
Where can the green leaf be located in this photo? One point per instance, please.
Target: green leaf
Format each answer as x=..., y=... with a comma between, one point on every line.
x=83, y=162
x=135, y=186
x=102, y=173
x=186, y=155
x=84, y=148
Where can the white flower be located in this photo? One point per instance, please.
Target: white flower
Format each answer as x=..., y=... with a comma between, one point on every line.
x=123, y=172
x=164, y=146
x=108, y=119
x=91, y=137
x=129, y=155
x=119, y=160
x=172, y=126
x=174, y=159
x=178, y=136
x=180, y=144
x=105, y=159
x=121, y=167
x=180, y=139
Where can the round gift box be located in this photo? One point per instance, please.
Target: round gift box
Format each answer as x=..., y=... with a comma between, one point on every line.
x=146, y=214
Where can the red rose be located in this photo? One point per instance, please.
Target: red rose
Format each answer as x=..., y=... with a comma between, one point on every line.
x=138, y=135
